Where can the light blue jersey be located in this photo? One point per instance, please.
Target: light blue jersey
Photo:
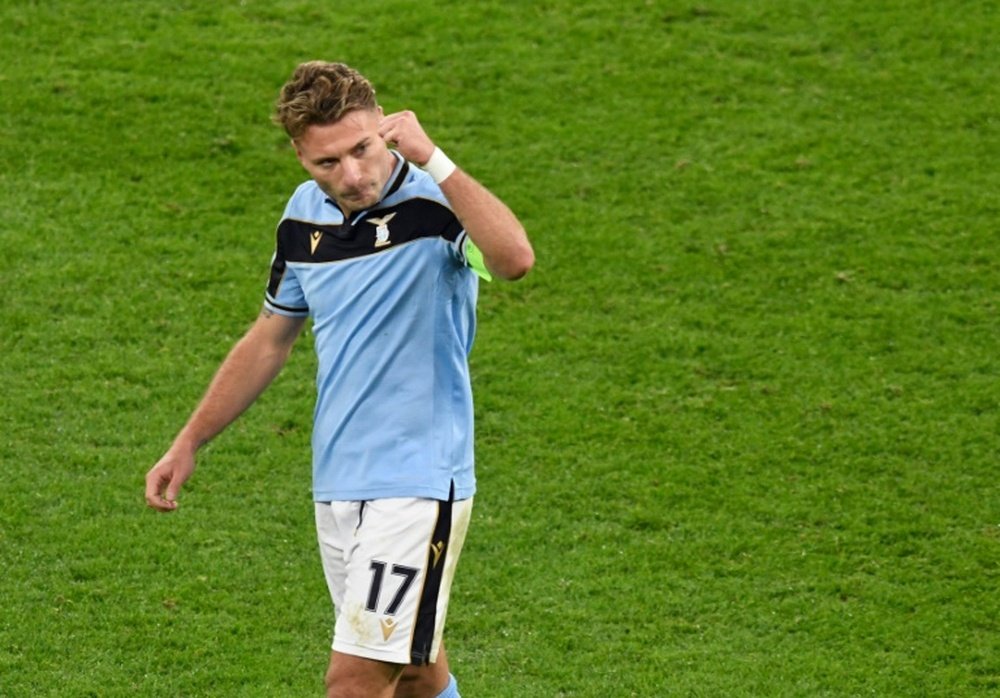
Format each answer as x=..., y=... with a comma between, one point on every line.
x=392, y=294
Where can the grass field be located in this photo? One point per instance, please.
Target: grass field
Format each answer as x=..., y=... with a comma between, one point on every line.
x=737, y=433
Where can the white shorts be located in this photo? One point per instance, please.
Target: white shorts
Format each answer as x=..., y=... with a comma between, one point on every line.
x=389, y=564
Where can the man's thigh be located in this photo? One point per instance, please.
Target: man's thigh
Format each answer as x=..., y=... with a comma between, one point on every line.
x=350, y=676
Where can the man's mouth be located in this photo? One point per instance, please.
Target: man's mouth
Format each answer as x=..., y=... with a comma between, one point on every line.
x=356, y=194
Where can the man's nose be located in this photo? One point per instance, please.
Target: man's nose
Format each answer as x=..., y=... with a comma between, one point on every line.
x=351, y=170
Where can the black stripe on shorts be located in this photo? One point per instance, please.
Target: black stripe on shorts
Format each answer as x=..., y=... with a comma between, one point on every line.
x=423, y=631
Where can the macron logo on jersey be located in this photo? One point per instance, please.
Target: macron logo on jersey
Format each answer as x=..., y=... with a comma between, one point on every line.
x=382, y=229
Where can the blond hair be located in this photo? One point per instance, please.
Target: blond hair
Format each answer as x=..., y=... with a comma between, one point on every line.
x=321, y=93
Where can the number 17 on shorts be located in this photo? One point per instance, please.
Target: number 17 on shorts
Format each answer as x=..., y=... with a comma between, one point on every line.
x=389, y=564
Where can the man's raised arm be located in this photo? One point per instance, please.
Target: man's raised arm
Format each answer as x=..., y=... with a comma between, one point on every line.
x=493, y=227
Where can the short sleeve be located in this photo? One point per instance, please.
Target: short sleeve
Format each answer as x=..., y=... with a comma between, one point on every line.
x=284, y=292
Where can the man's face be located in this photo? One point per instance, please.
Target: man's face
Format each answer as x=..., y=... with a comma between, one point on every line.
x=347, y=159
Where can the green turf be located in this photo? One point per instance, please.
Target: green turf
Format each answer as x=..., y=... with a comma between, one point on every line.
x=738, y=431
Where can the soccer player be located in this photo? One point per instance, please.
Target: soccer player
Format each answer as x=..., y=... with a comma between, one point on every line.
x=383, y=248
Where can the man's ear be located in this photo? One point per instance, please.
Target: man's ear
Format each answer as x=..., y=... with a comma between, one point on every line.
x=379, y=108
x=298, y=152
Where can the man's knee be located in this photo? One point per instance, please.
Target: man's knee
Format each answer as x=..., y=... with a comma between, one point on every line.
x=422, y=681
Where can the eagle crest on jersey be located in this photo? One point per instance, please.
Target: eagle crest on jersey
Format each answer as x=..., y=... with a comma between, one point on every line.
x=382, y=229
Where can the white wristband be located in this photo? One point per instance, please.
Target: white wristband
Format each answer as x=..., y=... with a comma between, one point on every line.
x=440, y=166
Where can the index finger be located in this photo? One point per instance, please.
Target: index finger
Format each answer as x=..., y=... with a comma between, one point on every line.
x=387, y=123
